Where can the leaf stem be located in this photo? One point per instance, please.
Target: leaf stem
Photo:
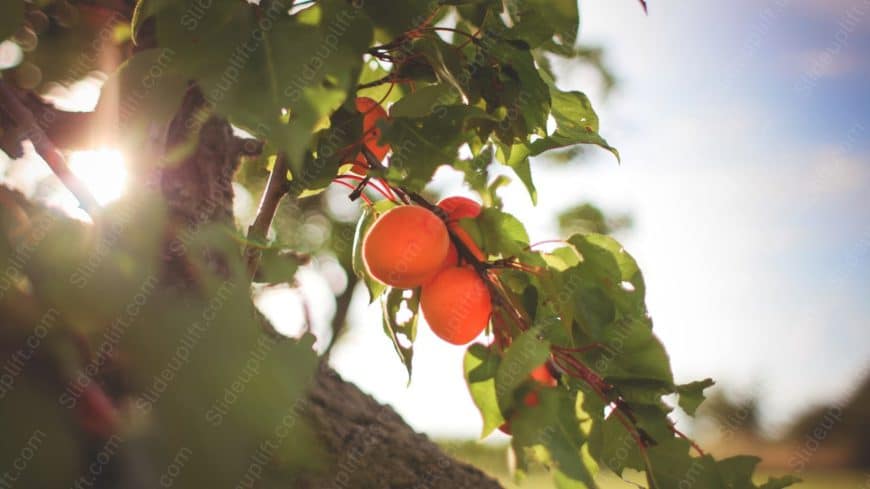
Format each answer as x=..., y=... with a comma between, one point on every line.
x=682, y=435
x=471, y=37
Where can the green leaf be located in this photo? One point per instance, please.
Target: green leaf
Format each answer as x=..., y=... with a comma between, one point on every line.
x=523, y=92
x=423, y=102
x=502, y=233
x=612, y=445
x=631, y=353
x=476, y=172
x=421, y=144
x=737, y=471
x=480, y=366
x=191, y=399
x=401, y=333
x=583, y=218
x=387, y=92
x=277, y=266
x=607, y=266
x=672, y=465
x=576, y=123
x=692, y=395
x=39, y=429
x=12, y=18
x=520, y=165
x=398, y=17
x=539, y=21
x=550, y=434
x=445, y=60
x=279, y=83
x=527, y=352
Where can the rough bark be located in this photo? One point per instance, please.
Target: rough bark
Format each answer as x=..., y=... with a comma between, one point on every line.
x=373, y=447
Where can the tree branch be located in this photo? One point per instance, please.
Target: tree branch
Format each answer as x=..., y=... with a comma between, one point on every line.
x=26, y=123
x=276, y=188
x=342, y=307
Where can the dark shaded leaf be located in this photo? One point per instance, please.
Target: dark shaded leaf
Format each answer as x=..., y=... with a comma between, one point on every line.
x=692, y=395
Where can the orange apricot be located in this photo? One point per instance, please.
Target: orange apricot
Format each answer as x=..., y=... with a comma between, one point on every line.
x=405, y=247
x=458, y=208
x=461, y=208
x=542, y=376
x=372, y=113
x=456, y=304
x=452, y=258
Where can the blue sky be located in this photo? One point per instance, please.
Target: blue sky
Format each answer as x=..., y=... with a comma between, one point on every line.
x=749, y=195
x=763, y=181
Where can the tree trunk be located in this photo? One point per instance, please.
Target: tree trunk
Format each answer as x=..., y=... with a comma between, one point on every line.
x=373, y=447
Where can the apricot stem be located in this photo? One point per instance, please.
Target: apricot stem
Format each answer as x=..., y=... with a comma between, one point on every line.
x=378, y=185
x=471, y=37
x=354, y=188
x=546, y=241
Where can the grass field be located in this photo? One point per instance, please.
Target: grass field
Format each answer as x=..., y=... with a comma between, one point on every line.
x=493, y=460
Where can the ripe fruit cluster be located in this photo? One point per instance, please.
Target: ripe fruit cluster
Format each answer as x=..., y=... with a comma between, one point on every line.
x=372, y=113
x=410, y=246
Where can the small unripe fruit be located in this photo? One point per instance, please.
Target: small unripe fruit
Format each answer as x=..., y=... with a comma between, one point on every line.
x=541, y=375
x=405, y=247
x=457, y=305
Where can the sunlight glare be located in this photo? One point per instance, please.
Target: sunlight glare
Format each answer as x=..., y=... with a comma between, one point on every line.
x=103, y=171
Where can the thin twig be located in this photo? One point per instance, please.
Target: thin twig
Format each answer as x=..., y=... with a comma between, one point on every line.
x=342, y=307
x=691, y=441
x=276, y=188
x=46, y=149
x=381, y=81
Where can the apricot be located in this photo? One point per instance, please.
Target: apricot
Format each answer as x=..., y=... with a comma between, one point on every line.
x=458, y=208
x=405, y=247
x=372, y=113
x=542, y=376
x=531, y=400
x=456, y=304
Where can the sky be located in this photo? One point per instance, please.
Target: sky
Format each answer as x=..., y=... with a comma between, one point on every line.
x=743, y=128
